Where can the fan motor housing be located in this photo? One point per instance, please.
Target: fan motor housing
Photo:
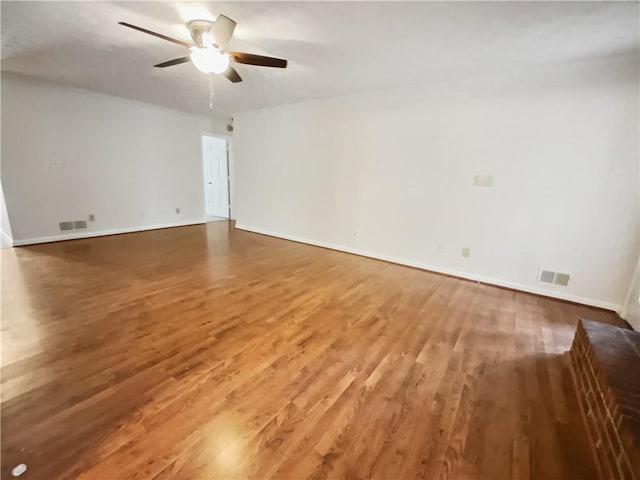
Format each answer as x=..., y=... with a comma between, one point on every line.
x=198, y=28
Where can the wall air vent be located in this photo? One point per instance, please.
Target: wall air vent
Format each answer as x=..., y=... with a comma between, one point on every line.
x=76, y=225
x=547, y=276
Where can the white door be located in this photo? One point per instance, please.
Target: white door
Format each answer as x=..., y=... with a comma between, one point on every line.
x=216, y=176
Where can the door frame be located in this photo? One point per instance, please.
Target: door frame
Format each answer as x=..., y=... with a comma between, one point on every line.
x=227, y=139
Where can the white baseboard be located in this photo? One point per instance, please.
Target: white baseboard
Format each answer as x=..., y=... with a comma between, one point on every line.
x=447, y=271
x=5, y=240
x=100, y=233
x=623, y=312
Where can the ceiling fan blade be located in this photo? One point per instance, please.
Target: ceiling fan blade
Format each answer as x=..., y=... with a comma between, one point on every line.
x=232, y=75
x=155, y=34
x=170, y=63
x=252, y=59
x=222, y=30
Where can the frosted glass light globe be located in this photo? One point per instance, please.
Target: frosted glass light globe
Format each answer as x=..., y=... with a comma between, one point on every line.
x=209, y=59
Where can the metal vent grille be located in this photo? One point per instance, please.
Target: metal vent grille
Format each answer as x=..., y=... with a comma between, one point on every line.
x=561, y=279
x=547, y=276
x=75, y=225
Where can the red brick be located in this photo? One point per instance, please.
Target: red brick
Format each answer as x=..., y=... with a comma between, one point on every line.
x=606, y=367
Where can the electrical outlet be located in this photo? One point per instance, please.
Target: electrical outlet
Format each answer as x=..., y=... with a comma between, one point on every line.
x=92, y=217
x=177, y=210
x=466, y=252
x=483, y=181
x=54, y=163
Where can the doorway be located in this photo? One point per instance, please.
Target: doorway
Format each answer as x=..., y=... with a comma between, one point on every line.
x=215, y=156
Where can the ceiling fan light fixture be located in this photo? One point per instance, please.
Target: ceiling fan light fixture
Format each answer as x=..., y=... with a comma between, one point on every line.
x=208, y=52
x=207, y=39
x=209, y=59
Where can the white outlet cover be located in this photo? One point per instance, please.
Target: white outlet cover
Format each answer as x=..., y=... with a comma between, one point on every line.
x=483, y=181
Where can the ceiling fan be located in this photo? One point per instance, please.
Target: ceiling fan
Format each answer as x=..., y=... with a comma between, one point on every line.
x=209, y=53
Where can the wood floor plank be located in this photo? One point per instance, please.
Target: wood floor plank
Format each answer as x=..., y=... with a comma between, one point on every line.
x=208, y=352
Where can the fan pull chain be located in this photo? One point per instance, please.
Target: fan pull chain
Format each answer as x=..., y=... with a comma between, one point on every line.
x=210, y=92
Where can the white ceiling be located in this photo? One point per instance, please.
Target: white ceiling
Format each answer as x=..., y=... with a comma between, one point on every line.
x=333, y=48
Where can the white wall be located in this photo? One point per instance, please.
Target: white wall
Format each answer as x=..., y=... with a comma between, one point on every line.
x=130, y=164
x=390, y=175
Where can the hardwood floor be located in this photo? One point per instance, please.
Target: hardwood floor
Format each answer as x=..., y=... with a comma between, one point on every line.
x=206, y=352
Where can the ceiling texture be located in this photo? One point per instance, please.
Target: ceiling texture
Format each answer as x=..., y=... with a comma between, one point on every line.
x=333, y=48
